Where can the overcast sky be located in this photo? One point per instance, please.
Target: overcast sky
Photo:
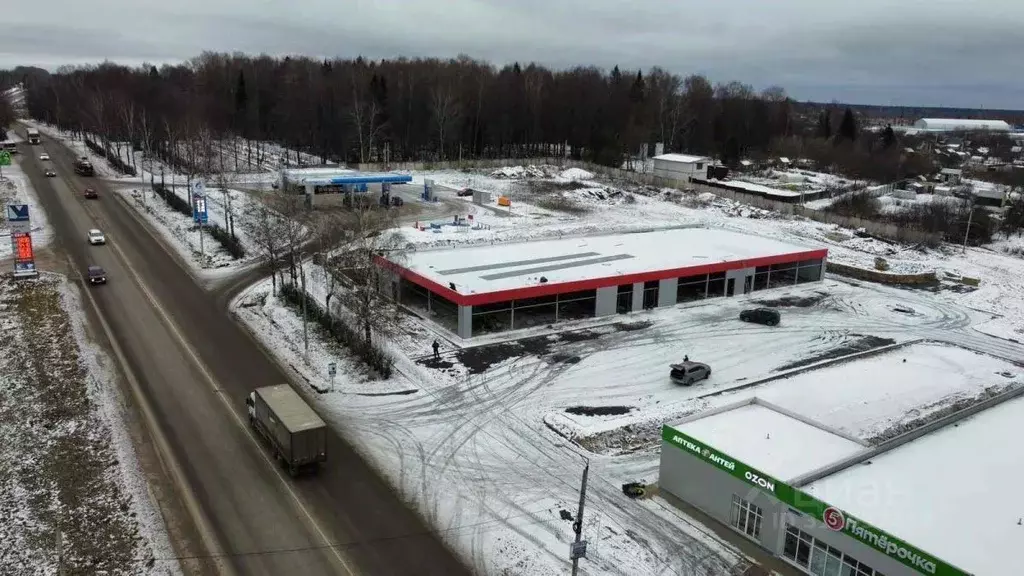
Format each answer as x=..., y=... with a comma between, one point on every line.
x=967, y=53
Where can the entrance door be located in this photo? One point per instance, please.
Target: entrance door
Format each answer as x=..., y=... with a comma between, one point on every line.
x=741, y=280
x=624, y=301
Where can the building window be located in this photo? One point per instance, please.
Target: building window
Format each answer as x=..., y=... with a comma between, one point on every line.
x=577, y=305
x=624, y=300
x=651, y=294
x=691, y=288
x=819, y=558
x=716, y=284
x=825, y=560
x=809, y=271
x=798, y=546
x=782, y=275
x=761, y=278
x=746, y=517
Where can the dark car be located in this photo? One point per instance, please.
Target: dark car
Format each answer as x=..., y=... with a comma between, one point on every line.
x=50, y=172
x=766, y=316
x=465, y=192
x=97, y=275
x=91, y=193
x=686, y=373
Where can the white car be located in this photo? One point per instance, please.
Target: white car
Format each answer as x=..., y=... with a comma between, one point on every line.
x=96, y=237
x=44, y=156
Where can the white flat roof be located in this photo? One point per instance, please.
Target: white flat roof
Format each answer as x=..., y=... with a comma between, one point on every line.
x=772, y=442
x=876, y=396
x=954, y=493
x=685, y=158
x=483, y=269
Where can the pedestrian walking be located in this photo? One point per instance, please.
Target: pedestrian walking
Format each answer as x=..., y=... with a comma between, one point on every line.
x=437, y=347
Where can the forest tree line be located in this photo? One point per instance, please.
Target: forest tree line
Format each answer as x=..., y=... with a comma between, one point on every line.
x=421, y=109
x=359, y=110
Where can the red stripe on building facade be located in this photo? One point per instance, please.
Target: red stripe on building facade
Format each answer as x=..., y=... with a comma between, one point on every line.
x=548, y=289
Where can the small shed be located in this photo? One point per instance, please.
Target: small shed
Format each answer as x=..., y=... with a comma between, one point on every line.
x=951, y=176
x=680, y=166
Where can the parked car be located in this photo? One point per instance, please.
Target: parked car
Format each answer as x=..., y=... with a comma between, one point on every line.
x=766, y=316
x=50, y=172
x=91, y=193
x=44, y=156
x=465, y=192
x=687, y=372
x=97, y=275
x=97, y=237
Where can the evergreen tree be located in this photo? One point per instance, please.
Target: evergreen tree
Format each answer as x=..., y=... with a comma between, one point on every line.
x=888, y=136
x=848, y=127
x=825, y=125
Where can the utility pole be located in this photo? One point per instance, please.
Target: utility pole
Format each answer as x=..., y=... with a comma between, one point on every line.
x=305, y=321
x=578, y=549
x=970, y=216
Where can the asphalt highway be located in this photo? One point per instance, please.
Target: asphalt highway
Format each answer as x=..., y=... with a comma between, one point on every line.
x=195, y=365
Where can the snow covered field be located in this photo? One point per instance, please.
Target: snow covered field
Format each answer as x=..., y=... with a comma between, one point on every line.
x=15, y=188
x=67, y=460
x=496, y=419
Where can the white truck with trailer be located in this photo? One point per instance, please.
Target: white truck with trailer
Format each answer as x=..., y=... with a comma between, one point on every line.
x=297, y=435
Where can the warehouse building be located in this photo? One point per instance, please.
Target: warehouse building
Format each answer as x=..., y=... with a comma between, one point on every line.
x=485, y=289
x=681, y=166
x=961, y=125
x=830, y=504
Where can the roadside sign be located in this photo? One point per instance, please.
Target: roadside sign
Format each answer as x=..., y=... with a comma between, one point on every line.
x=199, y=214
x=5, y=158
x=17, y=218
x=332, y=369
x=578, y=550
x=24, y=257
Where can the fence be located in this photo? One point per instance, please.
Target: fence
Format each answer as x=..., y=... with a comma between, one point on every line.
x=880, y=277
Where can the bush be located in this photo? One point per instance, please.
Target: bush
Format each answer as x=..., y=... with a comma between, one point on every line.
x=374, y=356
x=228, y=241
x=113, y=159
x=176, y=202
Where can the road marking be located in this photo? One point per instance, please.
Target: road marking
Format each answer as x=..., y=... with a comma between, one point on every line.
x=163, y=451
x=231, y=409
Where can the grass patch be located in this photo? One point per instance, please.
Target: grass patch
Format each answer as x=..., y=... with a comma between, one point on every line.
x=559, y=203
x=58, y=469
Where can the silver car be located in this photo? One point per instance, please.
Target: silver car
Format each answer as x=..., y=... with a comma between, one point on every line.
x=686, y=373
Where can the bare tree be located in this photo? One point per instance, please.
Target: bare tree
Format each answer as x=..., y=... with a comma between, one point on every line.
x=264, y=227
x=369, y=294
x=446, y=111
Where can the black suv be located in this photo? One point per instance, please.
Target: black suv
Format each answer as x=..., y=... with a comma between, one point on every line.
x=97, y=275
x=766, y=316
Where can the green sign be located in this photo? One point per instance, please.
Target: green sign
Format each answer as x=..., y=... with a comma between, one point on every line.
x=5, y=158
x=833, y=518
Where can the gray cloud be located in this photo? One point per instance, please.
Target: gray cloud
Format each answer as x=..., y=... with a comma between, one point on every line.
x=934, y=52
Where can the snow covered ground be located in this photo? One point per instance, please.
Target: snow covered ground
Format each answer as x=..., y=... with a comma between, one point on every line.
x=208, y=259
x=15, y=188
x=66, y=459
x=496, y=419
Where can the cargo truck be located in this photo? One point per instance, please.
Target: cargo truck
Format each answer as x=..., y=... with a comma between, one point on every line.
x=297, y=435
x=32, y=135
